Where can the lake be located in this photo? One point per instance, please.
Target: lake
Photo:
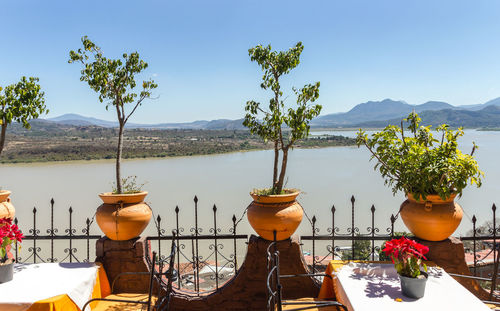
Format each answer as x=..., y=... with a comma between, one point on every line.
x=326, y=176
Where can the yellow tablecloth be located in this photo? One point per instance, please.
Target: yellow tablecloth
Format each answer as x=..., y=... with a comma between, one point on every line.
x=64, y=303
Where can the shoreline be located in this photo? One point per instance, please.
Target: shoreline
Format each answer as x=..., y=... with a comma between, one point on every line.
x=82, y=161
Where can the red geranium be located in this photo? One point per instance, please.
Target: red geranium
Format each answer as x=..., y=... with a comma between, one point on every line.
x=406, y=255
x=9, y=234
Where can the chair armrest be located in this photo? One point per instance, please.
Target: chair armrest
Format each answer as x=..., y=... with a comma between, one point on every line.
x=477, y=278
x=113, y=300
x=305, y=275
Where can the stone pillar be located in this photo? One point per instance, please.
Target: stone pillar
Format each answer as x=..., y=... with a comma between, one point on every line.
x=450, y=255
x=247, y=290
x=124, y=256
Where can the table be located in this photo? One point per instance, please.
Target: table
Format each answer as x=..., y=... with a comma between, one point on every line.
x=375, y=286
x=53, y=287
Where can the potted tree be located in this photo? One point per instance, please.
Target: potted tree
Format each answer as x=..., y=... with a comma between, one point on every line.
x=19, y=102
x=276, y=208
x=431, y=172
x=123, y=214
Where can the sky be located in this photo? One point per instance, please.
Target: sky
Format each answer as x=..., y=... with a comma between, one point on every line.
x=197, y=51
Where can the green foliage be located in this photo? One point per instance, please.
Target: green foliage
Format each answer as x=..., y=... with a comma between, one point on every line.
x=114, y=81
x=362, y=251
x=419, y=163
x=269, y=123
x=129, y=186
x=20, y=102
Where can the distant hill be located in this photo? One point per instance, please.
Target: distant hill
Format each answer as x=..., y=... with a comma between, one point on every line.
x=370, y=114
x=493, y=102
x=78, y=120
x=386, y=109
x=486, y=117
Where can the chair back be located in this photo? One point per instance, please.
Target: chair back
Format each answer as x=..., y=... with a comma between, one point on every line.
x=151, y=278
x=273, y=277
x=494, y=274
x=165, y=288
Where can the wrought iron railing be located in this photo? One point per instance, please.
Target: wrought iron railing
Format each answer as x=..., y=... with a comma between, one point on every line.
x=220, y=251
x=69, y=237
x=205, y=260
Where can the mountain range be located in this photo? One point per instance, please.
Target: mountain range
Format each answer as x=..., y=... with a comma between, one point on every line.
x=369, y=114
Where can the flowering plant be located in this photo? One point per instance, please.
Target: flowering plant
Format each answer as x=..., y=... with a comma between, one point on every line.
x=9, y=234
x=406, y=255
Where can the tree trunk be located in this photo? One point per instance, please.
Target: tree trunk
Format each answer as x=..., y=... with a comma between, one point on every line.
x=276, y=159
x=2, y=135
x=279, y=186
x=119, y=159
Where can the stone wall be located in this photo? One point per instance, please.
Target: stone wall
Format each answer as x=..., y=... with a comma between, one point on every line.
x=247, y=290
x=450, y=255
x=124, y=256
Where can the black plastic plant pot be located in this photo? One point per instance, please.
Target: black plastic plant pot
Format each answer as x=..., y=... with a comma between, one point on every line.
x=6, y=272
x=414, y=287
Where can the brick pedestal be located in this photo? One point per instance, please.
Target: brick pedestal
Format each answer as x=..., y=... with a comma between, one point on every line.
x=124, y=256
x=450, y=255
x=247, y=290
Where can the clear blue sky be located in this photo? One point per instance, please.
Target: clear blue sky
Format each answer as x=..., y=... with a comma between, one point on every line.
x=197, y=51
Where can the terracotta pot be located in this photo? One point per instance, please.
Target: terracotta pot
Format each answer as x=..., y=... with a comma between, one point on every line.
x=434, y=219
x=110, y=198
x=7, y=210
x=123, y=216
x=275, y=212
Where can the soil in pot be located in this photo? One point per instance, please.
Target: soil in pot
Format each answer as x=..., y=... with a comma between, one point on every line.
x=434, y=219
x=268, y=213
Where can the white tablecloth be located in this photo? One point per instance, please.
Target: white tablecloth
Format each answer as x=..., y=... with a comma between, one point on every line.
x=34, y=282
x=373, y=286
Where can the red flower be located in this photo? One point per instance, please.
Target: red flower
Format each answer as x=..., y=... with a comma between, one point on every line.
x=9, y=234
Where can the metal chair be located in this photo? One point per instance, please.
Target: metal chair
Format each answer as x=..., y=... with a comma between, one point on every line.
x=274, y=287
x=494, y=275
x=159, y=302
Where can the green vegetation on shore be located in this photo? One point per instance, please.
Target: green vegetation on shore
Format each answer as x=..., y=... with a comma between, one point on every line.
x=48, y=141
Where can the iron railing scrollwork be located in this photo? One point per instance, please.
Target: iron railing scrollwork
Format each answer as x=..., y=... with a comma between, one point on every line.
x=205, y=259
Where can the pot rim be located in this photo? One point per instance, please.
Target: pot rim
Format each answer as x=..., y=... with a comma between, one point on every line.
x=421, y=273
x=434, y=198
x=4, y=194
x=276, y=198
x=114, y=198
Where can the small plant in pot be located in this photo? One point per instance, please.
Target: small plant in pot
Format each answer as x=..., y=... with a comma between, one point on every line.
x=9, y=235
x=124, y=215
x=276, y=208
x=407, y=257
x=19, y=102
x=430, y=171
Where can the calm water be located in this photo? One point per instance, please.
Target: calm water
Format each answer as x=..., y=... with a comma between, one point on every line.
x=326, y=176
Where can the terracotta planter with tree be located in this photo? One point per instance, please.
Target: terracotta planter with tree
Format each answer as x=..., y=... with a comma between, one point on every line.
x=276, y=208
x=430, y=170
x=124, y=214
x=19, y=102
